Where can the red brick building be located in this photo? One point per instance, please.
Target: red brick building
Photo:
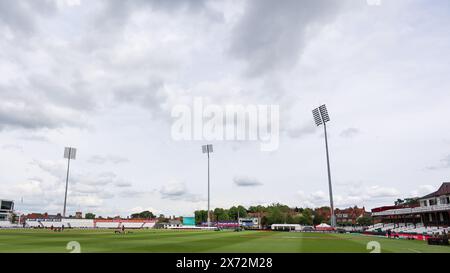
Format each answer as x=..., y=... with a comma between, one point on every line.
x=350, y=216
x=323, y=212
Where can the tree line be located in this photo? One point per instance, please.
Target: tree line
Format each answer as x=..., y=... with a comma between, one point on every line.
x=274, y=214
x=271, y=214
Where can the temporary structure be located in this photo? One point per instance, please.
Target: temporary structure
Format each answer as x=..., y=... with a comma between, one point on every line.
x=324, y=227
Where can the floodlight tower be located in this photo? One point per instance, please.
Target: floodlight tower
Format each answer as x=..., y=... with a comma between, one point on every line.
x=69, y=153
x=207, y=149
x=321, y=117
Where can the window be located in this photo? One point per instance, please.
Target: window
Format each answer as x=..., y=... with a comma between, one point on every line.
x=424, y=203
x=433, y=202
x=444, y=200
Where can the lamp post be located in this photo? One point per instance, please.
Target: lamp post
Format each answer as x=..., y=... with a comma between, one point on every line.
x=69, y=153
x=321, y=117
x=207, y=149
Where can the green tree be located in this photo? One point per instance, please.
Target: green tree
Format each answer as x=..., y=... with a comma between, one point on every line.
x=317, y=218
x=14, y=218
x=89, y=215
x=364, y=221
x=255, y=209
x=288, y=218
x=275, y=215
x=162, y=219
x=143, y=215
x=264, y=221
x=200, y=216
x=233, y=212
x=302, y=220
x=407, y=201
x=220, y=214
x=306, y=217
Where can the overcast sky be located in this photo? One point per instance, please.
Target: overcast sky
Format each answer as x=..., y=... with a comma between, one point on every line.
x=103, y=76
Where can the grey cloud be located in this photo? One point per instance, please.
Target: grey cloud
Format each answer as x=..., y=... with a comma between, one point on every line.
x=87, y=190
x=21, y=16
x=349, y=133
x=33, y=137
x=30, y=117
x=150, y=96
x=26, y=119
x=55, y=169
x=135, y=193
x=98, y=159
x=115, y=13
x=123, y=184
x=89, y=182
x=36, y=109
x=13, y=147
x=178, y=191
x=271, y=35
x=120, y=10
x=101, y=179
x=244, y=181
x=66, y=98
x=300, y=131
x=112, y=17
x=173, y=190
x=444, y=164
x=71, y=95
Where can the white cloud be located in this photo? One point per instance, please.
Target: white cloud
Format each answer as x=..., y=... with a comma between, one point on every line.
x=354, y=196
x=90, y=201
x=378, y=191
x=423, y=190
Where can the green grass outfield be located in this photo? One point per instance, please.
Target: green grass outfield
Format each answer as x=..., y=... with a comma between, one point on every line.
x=203, y=241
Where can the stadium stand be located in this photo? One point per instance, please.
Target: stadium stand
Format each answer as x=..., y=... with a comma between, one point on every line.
x=89, y=223
x=78, y=223
x=424, y=217
x=33, y=224
x=408, y=228
x=132, y=225
x=48, y=224
x=7, y=224
x=127, y=223
x=107, y=224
